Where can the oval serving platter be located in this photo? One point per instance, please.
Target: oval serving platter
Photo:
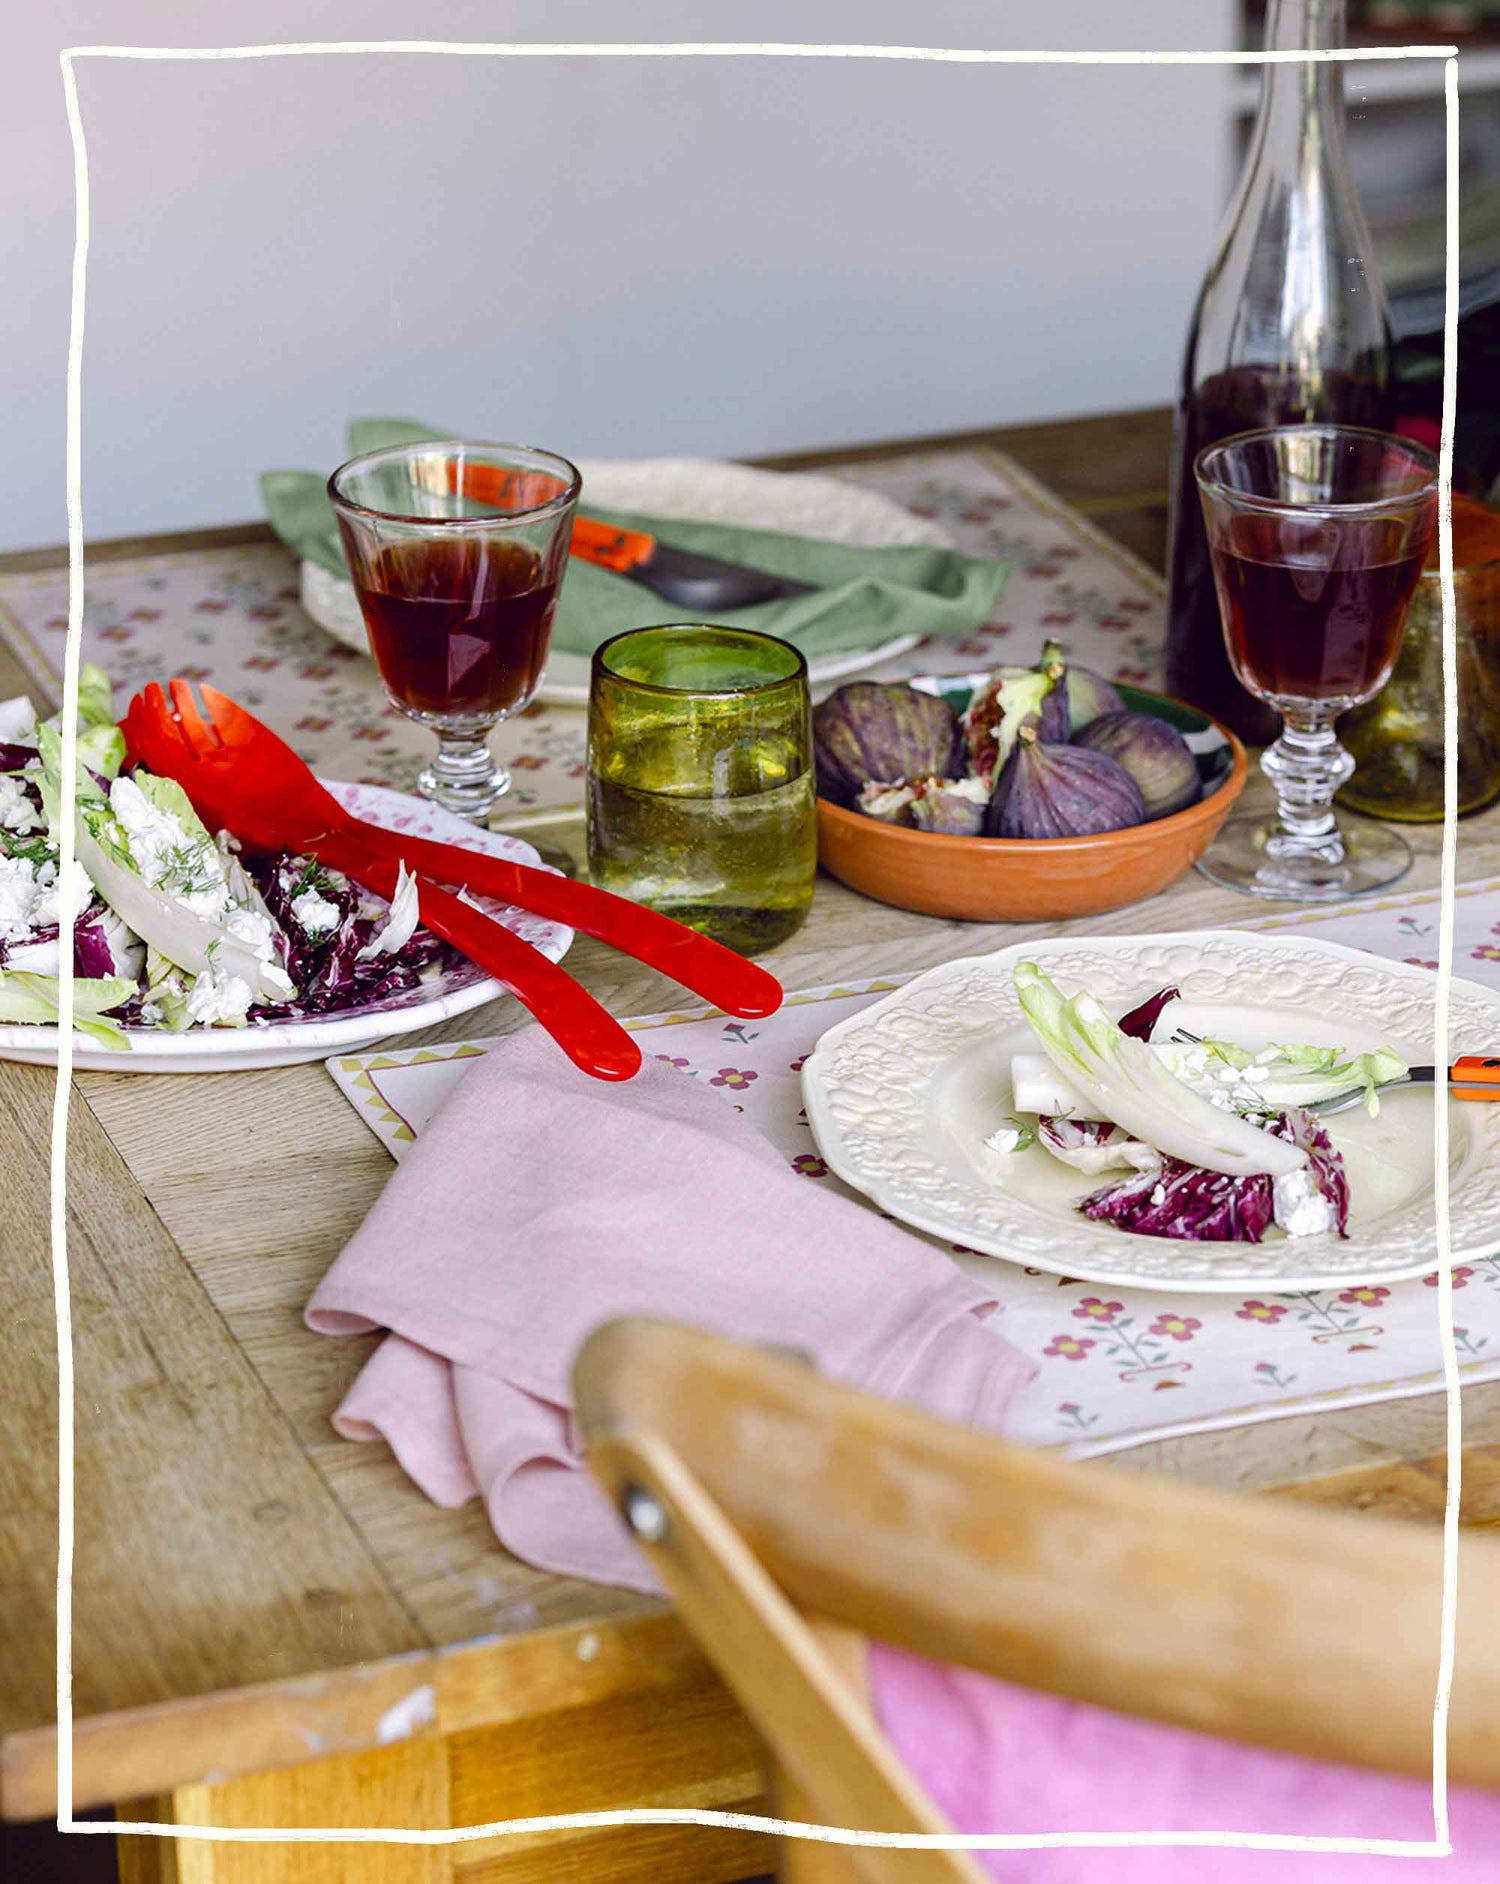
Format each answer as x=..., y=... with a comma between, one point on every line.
x=317, y=1036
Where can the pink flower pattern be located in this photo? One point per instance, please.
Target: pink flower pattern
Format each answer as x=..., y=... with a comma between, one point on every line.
x=733, y=1077
x=1069, y=1347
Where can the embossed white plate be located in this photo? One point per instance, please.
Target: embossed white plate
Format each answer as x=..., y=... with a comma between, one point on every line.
x=284, y=1043
x=902, y=1095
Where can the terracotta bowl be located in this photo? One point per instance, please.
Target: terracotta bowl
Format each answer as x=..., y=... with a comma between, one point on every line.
x=992, y=879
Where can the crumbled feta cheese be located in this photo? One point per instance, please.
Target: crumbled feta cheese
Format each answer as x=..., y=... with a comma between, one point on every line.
x=253, y=928
x=217, y=997
x=29, y=896
x=18, y=893
x=1159, y=1195
x=1005, y=1139
x=1299, y=1206
x=49, y=903
x=185, y=866
x=17, y=812
x=150, y=1015
x=315, y=913
x=17, y=721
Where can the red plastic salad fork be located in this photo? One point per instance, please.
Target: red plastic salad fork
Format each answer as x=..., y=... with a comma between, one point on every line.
x=244, y=778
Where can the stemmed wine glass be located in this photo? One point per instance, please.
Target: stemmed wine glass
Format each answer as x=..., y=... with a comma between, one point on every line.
x=457, y=551
x=1318, y=534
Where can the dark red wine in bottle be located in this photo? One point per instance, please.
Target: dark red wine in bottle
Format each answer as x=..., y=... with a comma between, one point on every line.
x=1291, y=326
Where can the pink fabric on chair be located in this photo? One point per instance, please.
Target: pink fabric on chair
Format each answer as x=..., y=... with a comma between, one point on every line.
x=539, y=1203
x=1001, y=1759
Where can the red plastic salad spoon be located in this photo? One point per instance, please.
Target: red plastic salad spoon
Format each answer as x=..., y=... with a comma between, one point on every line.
x=241, y=771
x=183, y=749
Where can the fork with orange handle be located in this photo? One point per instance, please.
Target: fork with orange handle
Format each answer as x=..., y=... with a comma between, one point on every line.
x=1472, y=1077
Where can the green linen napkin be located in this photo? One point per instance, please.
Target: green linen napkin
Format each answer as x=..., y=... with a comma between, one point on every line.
x=863, y=596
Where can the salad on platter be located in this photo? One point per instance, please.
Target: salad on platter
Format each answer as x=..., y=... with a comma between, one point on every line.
x=1204, y=1140
x=163, y=925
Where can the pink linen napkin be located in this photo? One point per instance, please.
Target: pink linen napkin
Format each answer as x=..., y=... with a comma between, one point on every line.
x=1001, y=1759
x=538, y=1204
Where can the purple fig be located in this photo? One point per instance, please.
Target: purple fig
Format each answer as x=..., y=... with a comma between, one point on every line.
x=1089, y=694
x=887, y=801
x=1061, y=791
x=876, y=730
x=953, y=806
x=1010, y=698
x=1155, y=755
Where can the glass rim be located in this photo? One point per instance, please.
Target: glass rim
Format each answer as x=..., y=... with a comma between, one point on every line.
x=530, y=513
x=1323, y=429
x=601, y=666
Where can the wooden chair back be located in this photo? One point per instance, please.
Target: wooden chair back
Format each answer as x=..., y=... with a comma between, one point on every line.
x=790, y=1518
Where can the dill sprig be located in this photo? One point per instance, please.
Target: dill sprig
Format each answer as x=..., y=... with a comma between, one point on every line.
x=35, y=850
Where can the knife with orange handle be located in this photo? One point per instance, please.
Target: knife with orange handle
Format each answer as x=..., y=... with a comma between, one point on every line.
x=685, y=577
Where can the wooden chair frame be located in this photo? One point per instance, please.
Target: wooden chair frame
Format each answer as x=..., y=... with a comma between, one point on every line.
x=790, y=1517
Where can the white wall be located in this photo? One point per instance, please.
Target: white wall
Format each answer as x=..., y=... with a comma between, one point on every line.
x=606, y=256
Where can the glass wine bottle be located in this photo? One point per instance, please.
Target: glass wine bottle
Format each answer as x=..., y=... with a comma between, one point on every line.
x=1291, y=325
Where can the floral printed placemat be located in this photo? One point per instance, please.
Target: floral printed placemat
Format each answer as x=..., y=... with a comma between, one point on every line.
x=1115, y=1367
x=231, y=616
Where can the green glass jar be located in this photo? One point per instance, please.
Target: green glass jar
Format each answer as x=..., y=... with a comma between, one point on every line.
x=701, y=800
x=1396, y=739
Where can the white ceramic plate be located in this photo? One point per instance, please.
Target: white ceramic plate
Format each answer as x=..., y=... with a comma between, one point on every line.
x=902, y=1095
x=285, y=1043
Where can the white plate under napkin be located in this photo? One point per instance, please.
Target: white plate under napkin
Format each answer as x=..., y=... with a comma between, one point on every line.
x=702, y=490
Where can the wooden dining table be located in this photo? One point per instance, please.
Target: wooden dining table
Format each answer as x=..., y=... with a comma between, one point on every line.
x=271, y=1626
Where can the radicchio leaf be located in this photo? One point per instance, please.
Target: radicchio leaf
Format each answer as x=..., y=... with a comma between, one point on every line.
x=330, y=977
x=1194, y=1205
x=1304, y=1128
x=1187, y=1202
x=1140, y=1021
x=93, y=958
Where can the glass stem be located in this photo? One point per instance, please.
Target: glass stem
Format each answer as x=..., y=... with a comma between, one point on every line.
x=1307, y=766
x=464, y=777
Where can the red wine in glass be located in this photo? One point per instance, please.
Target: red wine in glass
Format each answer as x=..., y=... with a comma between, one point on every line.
x=1318, y=534
x=459, y=626
x=456, y=550
x=1314, y=610
x=1239, y=400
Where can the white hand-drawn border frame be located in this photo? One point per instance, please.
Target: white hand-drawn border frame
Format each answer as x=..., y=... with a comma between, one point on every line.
x=1440, y=1845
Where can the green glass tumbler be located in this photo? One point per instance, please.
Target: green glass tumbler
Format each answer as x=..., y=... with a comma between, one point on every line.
x=701, y=801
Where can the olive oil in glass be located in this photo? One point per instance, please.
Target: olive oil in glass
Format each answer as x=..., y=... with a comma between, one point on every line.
x=701, y=801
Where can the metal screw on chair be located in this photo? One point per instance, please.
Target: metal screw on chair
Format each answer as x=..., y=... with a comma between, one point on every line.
x=645, y=1515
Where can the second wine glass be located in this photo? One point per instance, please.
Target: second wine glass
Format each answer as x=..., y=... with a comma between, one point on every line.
x=1317, y=534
